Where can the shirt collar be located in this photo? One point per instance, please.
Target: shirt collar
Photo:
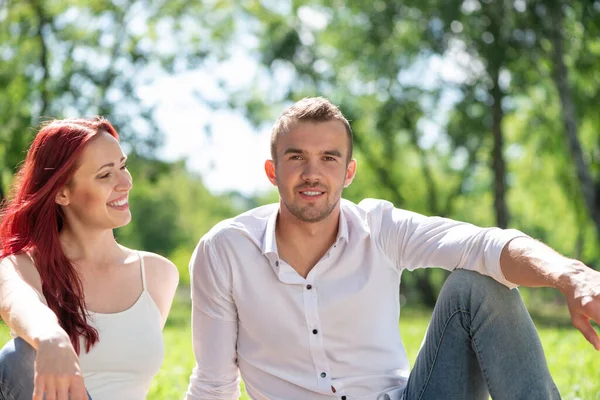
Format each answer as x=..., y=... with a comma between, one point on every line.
x=269, y=245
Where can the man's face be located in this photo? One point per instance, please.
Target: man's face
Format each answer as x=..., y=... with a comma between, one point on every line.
x=312, y=169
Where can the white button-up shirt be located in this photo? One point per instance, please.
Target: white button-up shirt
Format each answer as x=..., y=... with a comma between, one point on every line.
x=334, y=334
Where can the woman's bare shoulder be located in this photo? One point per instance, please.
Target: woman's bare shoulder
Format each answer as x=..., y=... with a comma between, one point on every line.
x=161, y=268
x=21, y=266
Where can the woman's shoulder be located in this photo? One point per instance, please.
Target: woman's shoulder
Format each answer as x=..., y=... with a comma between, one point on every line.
x=22, y=264
x=157, y=267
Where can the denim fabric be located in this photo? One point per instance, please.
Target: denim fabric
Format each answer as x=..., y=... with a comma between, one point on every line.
x=17, y=360
x=481, y=341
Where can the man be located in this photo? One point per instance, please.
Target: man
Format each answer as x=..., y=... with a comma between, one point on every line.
x=302, y=296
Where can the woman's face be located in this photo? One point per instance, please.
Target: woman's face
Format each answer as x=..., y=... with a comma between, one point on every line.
x=98, y=194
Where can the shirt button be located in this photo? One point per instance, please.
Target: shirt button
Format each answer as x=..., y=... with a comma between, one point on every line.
x=343, y=397
x=308, y=287
x=323, y=374
x=315, y=331
x=277, y=263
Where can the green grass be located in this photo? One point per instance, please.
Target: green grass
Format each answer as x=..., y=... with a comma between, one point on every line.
x=573, y=363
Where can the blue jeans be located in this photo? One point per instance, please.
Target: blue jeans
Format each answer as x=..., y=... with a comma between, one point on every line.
x=17, y=359
x=481, y=341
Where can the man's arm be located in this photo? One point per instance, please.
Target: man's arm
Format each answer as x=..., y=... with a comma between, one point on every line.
x=527, y=262
x=214, y=328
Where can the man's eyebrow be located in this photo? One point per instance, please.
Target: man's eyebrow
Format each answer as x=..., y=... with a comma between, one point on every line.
x=292, y=150
x=111, y=164
x=335, y=153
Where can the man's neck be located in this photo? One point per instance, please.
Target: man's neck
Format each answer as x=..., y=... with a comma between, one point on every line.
x=302, y=244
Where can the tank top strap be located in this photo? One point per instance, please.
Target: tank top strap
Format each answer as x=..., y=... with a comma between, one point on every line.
x=143, y=270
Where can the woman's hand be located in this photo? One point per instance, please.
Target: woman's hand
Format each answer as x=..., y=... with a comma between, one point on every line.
x=57, y=371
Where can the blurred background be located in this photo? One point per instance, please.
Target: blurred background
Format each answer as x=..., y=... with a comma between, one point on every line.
x=479, y=110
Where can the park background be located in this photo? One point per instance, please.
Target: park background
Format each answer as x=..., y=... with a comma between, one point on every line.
x=478, y=110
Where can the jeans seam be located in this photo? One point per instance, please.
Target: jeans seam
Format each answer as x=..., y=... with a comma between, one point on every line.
x=481, y=366
x=5, y=388
x=438, y=345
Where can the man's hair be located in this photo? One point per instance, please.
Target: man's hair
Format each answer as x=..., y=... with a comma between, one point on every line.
x=309, y=109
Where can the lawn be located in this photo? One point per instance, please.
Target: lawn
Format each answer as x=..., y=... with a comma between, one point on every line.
x=573, y=363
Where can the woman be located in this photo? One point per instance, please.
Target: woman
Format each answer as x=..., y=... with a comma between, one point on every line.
x=86, y=312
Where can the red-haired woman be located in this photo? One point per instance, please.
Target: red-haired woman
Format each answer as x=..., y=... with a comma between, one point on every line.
x=86, y=312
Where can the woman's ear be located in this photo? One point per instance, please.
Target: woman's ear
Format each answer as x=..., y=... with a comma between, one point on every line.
x=62, y=197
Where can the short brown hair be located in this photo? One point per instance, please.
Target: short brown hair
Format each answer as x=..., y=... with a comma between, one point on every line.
x=309, y=109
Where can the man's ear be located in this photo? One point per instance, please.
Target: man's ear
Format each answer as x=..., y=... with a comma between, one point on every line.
x=350, y=173
x=270, y=171
x=62, y=197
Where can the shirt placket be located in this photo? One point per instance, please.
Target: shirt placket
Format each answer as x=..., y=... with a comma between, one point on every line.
x=317, y=349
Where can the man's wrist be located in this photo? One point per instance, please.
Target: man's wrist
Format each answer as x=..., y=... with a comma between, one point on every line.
x=567, y=278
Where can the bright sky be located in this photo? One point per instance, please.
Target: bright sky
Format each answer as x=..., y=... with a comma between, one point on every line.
x=231, y=158
x=233, y=155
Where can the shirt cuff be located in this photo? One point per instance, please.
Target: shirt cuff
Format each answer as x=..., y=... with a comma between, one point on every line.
x=494, y=248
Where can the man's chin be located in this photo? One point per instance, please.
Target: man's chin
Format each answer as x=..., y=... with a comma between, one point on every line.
x=312, y=216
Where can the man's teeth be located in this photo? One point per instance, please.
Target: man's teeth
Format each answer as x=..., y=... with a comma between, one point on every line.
x=312, y=193
x=118, y=203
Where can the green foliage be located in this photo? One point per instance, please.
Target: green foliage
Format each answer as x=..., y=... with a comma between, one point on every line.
x=171, y=210
x=85, y=58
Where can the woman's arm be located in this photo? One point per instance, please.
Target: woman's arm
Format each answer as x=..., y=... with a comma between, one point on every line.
x=57, y=368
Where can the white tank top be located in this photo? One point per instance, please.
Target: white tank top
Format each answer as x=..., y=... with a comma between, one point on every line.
x=129, y=352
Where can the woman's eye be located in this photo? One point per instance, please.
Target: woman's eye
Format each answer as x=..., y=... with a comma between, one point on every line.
x=106, y=175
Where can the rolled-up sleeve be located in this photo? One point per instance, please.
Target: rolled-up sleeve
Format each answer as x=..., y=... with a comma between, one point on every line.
x=214, y=328
x=415, y=241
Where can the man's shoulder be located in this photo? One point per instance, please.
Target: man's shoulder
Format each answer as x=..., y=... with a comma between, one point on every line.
x=366, y=208
x=251, y=224
x=375, y=212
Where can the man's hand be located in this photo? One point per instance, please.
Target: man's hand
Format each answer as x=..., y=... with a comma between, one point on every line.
x=581, y=287
x=57, y=371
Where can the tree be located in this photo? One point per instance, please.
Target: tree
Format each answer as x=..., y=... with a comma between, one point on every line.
x=552, y=19
x=86, y=58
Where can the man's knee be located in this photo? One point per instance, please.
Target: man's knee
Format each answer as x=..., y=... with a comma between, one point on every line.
x=473, y=286
x=461, y=279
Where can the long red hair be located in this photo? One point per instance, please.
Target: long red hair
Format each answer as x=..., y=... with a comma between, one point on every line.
x=31, y=220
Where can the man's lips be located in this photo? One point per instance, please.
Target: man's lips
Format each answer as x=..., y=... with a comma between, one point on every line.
x=311, y=193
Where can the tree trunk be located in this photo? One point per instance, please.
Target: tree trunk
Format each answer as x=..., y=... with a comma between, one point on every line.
x=498, y=163
x=588, y=187
x=427, y=292
x=43, y=24
x=432, y=193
